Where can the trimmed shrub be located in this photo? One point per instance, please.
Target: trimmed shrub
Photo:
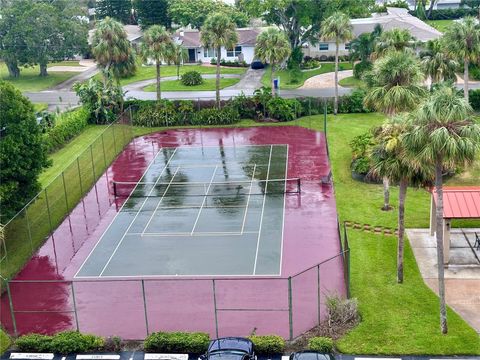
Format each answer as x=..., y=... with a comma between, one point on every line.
x=244, y=105
x=320, y=344
x=34, y=343
x=62, y=343
x=353, y=103
x=67, y=126
x=450, y=14
x=225, y=116
x=191, y=78
x=158, y=114
x=268, y=344
x=283, y=109
x=361, y=68
x=74, y=342
x=474, y=98
x=177, y=342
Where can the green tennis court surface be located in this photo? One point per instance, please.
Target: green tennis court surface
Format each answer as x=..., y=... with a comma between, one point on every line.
x=199, y=211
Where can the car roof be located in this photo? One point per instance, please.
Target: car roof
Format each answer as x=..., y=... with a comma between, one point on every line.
x=231, y=343
x=309, y=355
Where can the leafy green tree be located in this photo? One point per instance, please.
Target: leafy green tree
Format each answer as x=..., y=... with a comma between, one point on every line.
x=37, y=32
x=217, y=32
x=195, y=13
x=112, y=50
x=462, y=41
x=272, y=47
x=353, y=9
x=22, y=153
x=394, y=40
x=394, y=86
x=390, y=159
x=337, y=27
x=120, y=10
x=443, y=135
x=179, y=56
x=157, y=45
x=363, y=46
x=437, y=64
x=152, y=12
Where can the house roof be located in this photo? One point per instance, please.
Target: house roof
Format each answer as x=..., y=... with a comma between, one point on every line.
x=396, y=18
x=133, y=33
x=191, y=38
x=460, y=202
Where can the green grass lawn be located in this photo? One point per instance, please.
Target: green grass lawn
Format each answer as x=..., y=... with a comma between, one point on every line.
x=4, y=342
x=176, y=85
x=40, y=107
x=398, y=319
x=149, y=72
x=440, y=25
x=351, y=82
x=285, y=75
x=30, y=81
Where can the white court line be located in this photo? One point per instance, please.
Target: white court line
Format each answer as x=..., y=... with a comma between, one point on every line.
x=203, y=233
x=204, y=199
x=119, y=212
x=136, y=215
x=172, y=207
x=284, y=203
x=160, y=201
x=263, y=209
x=248, y=199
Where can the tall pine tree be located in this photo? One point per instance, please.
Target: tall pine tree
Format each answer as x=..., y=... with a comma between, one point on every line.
x=120, y=10
x=152, y=12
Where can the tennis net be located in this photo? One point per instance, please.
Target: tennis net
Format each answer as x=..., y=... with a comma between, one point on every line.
x=225, y=188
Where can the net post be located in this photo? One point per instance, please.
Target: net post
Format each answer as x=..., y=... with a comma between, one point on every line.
x=145, y=307
x=290, y=310
x=12, y=312
x=299, y=184
x=215, y=307
x=114, y=189
x=65, y=189
x=80, y=177
x=74, y=305
x=318, y=293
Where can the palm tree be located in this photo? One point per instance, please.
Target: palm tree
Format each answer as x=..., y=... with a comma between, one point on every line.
x=390, y=159
x=337, y=27
x=272, y=47
x=462, y=40
x=394, y=86
x=436, y=63
x=393, y=40
x=112, y=50
x=179, y=55
x=218, y=31
x=157, y=45
x=444, y=136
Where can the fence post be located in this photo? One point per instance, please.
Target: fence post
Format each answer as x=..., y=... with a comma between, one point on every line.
x=65, y=189
x=114, y=140
x=145, y=307
x=74, y=306
x=290, y=310
x=80, y=177
x=347, y=255
x=12, y=312
x=318, y=293
x=93, y=163
x=215, y=307
x=48, y=212
x=28, y=228
x=103, y=147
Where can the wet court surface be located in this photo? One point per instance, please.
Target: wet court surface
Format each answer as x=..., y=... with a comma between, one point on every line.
x=199, y=211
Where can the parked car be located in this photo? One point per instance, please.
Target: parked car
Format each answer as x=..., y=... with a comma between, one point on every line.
x=257, y=64
x=229, y=348
x=310, y=355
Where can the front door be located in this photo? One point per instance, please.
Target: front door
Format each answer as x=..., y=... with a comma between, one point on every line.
x=191, y=55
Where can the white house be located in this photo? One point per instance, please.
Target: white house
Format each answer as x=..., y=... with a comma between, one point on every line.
x=244, y=50
x=394, y=18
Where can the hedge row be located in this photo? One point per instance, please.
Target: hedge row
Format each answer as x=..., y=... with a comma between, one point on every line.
x=174, y=342
x=65, y=127
x=450, y=14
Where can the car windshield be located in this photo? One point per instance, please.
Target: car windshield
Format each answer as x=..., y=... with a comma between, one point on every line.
x=227, y=354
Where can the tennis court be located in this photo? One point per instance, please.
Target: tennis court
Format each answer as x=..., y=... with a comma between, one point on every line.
x=199, y=211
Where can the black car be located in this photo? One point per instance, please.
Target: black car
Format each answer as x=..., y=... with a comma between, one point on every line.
x=230, y=348
x=257, y=64
x=310, y=355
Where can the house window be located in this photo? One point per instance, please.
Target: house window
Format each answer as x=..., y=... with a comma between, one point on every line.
x=348, y=46
x=234, y=52
x=323, y=46
x=207, y=52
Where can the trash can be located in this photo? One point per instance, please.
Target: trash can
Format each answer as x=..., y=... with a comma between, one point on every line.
x=276, y=83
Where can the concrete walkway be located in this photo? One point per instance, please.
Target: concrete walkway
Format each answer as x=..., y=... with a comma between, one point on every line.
x=325, y=81
x=462, y=282
x=67, y=84
x=251, y=80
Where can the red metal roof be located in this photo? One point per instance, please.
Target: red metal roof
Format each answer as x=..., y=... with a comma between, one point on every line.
x=460, y=202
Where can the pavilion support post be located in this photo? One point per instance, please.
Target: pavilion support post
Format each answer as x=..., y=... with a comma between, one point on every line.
x=432, y=216
x=446, y=240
